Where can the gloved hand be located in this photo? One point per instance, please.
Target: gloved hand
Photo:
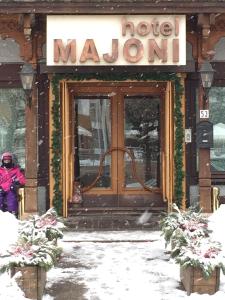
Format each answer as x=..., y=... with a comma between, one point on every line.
x=15, y=185
x=16, y=182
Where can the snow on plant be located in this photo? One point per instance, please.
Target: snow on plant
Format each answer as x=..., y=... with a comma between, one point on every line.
x=48, y=225
x=189, y=231
x=182, y=226
x=168, y=225
x=202, y=253
x=36, y=242
x=39, y=252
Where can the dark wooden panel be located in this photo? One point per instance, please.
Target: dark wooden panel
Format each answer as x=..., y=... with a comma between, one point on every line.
x=149, y=201
x=145, y=201
x=9, y=75
x=43, y=133
x=222, y=199
x=189, y=67
x=190, y=122
x=99, y=200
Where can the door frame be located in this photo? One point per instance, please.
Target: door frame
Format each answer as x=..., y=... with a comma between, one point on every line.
x=67, y=92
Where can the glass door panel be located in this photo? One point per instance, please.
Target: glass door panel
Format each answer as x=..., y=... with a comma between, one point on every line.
x=92, y=141
x=142, y=140
x=117, y=140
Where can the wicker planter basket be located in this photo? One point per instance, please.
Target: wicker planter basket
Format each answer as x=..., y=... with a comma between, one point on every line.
x=194, y=281
x=32, y=282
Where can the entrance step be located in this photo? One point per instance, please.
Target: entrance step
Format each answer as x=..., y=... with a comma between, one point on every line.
x=113, y=219
x=77, y=210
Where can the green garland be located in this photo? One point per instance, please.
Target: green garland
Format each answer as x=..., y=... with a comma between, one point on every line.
x=57, y=131
x=56, y=147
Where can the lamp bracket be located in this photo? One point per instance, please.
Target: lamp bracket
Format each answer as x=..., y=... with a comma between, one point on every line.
x=28, y=23
x=205, y=22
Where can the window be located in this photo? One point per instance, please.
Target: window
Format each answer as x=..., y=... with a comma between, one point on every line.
x=12, y=123
x=217, y=117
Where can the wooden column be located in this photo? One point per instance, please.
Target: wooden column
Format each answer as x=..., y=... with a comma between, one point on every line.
x=67, y=148
x=168, y=153
x=31, y=155
x=204, y=168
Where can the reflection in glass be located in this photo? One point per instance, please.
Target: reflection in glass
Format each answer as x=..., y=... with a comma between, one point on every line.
x=12, y=123
x=217, y=117
x=142, y=138
x=92, y=140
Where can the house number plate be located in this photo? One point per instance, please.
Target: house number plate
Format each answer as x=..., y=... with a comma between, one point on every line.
x=204, y=114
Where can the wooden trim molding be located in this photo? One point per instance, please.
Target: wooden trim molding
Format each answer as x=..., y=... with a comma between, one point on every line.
x=167, y=155
x=212, y=26
x=192, y=38
x=19, y=28
x=67, y=149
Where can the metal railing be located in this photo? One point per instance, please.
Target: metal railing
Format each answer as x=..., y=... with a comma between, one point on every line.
x=21, y=199
x=215, y=198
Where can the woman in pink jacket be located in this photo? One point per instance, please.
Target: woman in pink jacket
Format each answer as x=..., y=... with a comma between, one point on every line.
x=11, y=178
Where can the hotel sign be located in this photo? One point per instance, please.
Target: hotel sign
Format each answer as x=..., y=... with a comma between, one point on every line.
x=116, y=40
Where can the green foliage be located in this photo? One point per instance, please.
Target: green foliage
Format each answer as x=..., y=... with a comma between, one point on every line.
x=48, y=225
x=34, y=250
x=204, y=254
x=36, y=244
x=179, y=227
x=191, y=246
x=112, y=76
x=56, y=148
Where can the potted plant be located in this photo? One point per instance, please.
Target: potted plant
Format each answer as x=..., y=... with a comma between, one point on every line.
x=33, y=258
x=180, y=226
x=187, y=231
x=200, y=263
x=34, y=253
x=48, y=225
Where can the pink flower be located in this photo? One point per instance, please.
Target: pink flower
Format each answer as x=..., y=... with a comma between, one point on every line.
x=211, y=253
x=18, y=250
x=47, y=220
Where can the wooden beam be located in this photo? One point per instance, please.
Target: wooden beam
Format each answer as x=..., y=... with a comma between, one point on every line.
x=113, y=7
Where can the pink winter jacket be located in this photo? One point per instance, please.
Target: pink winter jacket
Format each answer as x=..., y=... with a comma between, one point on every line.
x=8, y=176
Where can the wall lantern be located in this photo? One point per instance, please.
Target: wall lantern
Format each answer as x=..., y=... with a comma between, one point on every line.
x=27, y=75
x=207, y=73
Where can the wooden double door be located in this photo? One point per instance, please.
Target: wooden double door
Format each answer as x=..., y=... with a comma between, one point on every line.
x=117, y=144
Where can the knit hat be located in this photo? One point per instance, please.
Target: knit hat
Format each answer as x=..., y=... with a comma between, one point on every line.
x=7, y=155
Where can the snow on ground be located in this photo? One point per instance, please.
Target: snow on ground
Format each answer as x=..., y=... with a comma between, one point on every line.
x=123, y=270
x=8, y=230
x=217, y=225
x=113, y=265
x=9, y=289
